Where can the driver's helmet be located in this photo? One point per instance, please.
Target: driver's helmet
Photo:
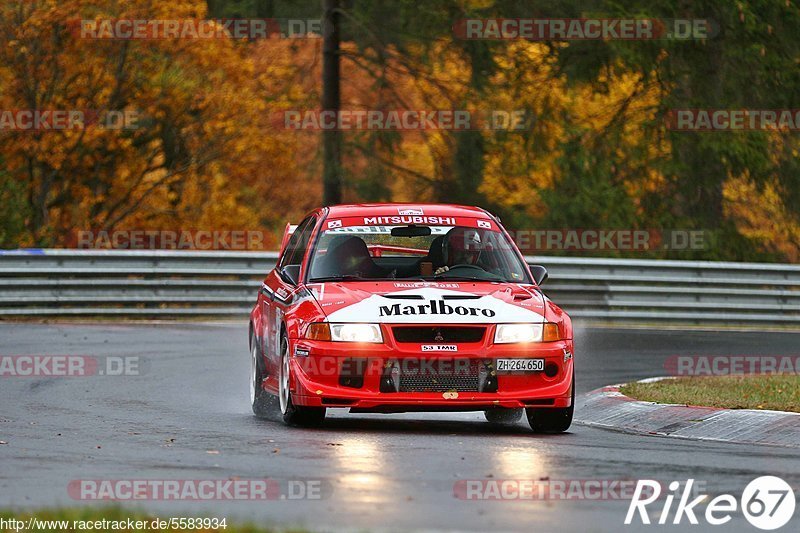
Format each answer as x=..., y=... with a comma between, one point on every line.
x=461, y=246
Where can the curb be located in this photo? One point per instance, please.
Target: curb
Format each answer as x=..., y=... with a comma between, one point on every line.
x=608, y=408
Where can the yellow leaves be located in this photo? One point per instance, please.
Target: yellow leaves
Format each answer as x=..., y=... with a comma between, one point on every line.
x=474, y=5
x=761, y=215
x=203, y=137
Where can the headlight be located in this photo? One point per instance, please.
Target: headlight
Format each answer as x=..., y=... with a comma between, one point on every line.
x=508, y=333
x=345, y=332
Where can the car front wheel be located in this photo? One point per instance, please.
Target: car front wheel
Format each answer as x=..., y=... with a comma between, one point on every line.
x=294, y=415
x=500, y=415
x=549, y=420
x=259, y=398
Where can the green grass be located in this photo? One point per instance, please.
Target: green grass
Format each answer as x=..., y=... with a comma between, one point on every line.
x=776, y=392
x=120, y=514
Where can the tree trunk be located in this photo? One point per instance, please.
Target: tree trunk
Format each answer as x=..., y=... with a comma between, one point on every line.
x=331, y=139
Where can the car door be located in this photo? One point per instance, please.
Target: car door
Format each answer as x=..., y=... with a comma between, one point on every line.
x=277, y=295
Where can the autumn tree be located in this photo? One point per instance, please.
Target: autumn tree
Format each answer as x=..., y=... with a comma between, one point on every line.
x=197, y=154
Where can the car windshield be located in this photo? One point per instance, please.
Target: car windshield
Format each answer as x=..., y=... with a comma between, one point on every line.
x=415, y=252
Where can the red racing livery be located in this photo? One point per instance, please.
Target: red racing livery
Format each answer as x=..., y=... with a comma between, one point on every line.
x=408, y=307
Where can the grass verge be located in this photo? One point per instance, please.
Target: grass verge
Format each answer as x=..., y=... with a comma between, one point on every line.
x=779, y=392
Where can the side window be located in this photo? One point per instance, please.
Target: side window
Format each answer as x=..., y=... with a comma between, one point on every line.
x=298, y=243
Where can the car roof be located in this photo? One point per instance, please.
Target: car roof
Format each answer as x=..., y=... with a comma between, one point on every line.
x=387, y=209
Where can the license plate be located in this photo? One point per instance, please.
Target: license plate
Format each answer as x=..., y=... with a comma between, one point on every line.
x=520, y=365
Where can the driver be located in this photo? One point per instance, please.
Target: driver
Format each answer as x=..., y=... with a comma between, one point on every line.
x=461, y=246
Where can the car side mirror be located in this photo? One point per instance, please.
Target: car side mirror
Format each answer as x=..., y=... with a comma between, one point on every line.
x=290, y=274
x=539, y=274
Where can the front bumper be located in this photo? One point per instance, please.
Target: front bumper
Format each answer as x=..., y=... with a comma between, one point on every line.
x=317, y=370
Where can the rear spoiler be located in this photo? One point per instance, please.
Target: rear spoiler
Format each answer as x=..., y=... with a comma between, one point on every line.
x=286, y=234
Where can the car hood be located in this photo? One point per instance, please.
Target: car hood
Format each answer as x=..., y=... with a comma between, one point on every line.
x=429, y=302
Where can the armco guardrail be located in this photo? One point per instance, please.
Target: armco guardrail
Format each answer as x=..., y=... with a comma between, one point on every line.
x=63, y=283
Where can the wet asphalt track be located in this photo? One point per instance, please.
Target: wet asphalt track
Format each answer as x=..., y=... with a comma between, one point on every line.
x=379, y=472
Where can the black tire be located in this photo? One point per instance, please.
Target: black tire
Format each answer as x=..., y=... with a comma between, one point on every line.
x=260, y=399
x=502, y=415
x=544, y=420
x=294, y=415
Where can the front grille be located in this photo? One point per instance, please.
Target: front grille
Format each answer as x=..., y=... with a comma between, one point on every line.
x=460, y=375
x=446, y=334
x=438, y=383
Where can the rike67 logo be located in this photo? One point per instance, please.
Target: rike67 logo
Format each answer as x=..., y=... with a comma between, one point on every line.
x=768, y=503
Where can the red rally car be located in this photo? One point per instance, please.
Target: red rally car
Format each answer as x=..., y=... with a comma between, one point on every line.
x=399, y=307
